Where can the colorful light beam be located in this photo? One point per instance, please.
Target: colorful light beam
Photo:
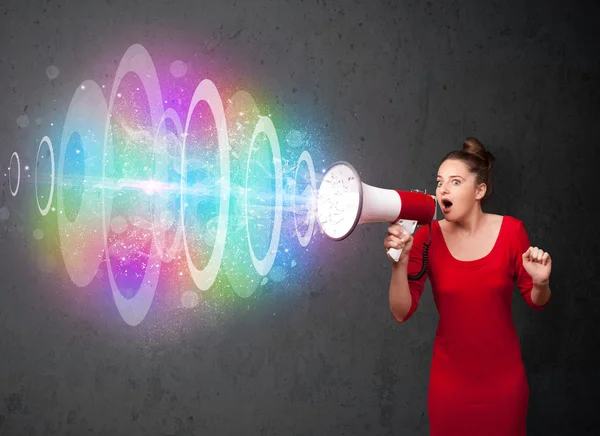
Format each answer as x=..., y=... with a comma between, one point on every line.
x=138, y=189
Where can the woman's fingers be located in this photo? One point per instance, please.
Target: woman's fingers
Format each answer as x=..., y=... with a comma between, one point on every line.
x=546, y=259
x=397, y=242
x=396, y=230
x=393, y=242
x=535, y=254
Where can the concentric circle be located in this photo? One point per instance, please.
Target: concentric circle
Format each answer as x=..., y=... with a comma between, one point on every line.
x=206, y=91
x=15, y=155
x=46, y=209
x=265, y=125
x=138, y=61
x=305, y=239
x=243, y=113
x=81, y=238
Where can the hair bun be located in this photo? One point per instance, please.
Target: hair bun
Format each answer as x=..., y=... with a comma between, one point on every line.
x=474, y=147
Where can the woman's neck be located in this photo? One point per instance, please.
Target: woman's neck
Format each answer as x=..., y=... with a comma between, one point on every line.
x=469, y=225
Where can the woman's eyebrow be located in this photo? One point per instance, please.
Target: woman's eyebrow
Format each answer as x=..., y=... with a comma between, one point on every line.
x=440, y=177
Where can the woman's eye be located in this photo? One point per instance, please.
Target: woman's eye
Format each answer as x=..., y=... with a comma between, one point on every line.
x=457, y=182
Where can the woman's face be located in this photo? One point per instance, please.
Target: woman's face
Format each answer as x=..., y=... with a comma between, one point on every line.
x=457, y=192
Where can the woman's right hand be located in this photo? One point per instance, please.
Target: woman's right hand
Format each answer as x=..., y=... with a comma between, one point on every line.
x=397, y=237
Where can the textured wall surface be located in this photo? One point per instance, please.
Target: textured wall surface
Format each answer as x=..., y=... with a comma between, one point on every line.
x=392, y=86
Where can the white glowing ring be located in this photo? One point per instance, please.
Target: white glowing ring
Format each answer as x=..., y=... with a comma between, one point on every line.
x=304, y=240
x=45, y=210
x=14, y=193
x=206, y=91
x=265, y=125
x=167, y=254
x=237, y=265
x=135, y=60
x=81, y=240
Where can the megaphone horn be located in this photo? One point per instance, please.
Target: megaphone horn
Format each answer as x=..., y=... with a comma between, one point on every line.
x=344, y=201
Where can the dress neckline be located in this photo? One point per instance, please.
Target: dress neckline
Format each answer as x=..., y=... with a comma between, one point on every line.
x=473, y=262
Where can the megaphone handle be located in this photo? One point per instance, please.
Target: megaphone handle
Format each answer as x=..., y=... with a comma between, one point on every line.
x=409, y=227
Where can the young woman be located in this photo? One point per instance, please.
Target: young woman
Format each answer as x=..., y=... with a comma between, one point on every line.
x=477, y=383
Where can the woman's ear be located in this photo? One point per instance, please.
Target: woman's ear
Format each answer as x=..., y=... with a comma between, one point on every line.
x=480, y=191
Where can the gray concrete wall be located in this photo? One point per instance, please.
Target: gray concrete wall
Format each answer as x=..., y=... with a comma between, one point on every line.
x=388, y=86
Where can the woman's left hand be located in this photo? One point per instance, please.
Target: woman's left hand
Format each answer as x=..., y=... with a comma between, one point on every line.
x=538, y=264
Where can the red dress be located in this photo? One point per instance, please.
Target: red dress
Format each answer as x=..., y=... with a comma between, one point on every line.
x=477, y=383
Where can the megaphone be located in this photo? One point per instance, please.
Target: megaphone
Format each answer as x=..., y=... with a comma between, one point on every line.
x=344, y=201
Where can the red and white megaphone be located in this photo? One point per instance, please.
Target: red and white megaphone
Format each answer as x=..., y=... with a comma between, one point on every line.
x=344, y=201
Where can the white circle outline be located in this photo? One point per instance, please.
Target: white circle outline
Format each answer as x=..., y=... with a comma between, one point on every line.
x=305, y=157
x=45, y=210
x=265, y=125
x=168, y=254
x=16, y=191
x=87, y=112
x=207, y=91
x=133, y=310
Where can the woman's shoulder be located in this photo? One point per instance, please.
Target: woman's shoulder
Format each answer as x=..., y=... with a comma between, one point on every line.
x=508, y=220
x=513, y=229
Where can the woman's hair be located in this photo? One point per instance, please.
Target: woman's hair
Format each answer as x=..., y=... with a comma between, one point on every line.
x=478, y=160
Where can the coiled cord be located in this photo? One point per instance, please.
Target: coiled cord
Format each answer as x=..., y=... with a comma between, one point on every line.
x=425, y=259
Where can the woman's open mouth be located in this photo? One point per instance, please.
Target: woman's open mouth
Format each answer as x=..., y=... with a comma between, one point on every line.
x=446, y=205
